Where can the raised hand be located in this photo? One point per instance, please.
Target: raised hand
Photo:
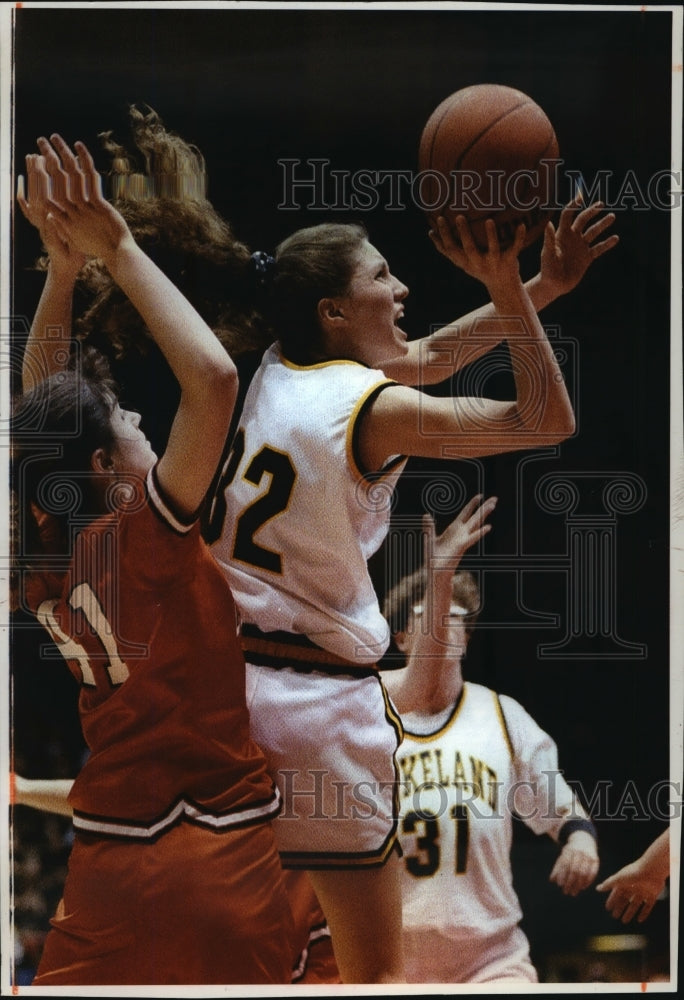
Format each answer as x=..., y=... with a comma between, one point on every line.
x=444, y=551
x=569, y=250
x=80, y=214
x=490, y=266
x=44, y=181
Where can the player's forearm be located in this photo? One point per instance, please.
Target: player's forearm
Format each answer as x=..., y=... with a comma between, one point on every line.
x=437, y=597
x=542, y=401
x=450, y=348
x=425, y=684
x=542, y=291
x=49, y=340
x=192, y=350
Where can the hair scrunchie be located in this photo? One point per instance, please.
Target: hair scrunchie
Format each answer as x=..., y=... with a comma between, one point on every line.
x=263, y=267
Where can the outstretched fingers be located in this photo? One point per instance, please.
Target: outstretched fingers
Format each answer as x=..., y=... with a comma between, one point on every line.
x=443, y=238
x=470, y=507
x=429, y=534
x=467, y=528
x=90, y=173
x=476, y=510
x=587, y=214
x=590, y=231
x=593, y=232
x=483, y=511
x=76, y=174
x=21, y=194
x=78, y=193
x=519, y=241
x=34, y=191
x=22, y=200
x=59, y=188
x=578, y=218
x=465, y=235
x=569, y=212
x=476, y=517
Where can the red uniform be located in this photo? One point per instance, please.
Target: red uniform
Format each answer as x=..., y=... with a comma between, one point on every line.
x=174, y=876
x=315, y=961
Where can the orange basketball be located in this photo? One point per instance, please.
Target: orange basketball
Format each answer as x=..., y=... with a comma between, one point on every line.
x=488, y=151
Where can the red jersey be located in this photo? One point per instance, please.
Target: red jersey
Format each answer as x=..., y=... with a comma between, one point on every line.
x=147, y=624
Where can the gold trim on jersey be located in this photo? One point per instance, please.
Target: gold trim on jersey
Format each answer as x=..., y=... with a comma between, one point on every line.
x=429, y=737
x=351, y=444
x=504, y=726
x=391, y=712
x=319, y=364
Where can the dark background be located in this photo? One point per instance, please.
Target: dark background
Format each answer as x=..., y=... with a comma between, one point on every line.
x=356, y=87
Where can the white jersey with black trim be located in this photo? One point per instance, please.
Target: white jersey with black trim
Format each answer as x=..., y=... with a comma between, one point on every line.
x=302, y=517
x=463, y=774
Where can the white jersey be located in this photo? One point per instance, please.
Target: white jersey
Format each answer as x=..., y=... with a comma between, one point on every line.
x=463, y=774
x=302, y=519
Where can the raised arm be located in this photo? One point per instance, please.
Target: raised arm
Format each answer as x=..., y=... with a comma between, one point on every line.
x=405, y=421
x=567, y=252
x=424, y=684
x=206, y=375
x=48, y=344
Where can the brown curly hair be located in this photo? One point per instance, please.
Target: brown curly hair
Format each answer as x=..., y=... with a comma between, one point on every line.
x=170, y=217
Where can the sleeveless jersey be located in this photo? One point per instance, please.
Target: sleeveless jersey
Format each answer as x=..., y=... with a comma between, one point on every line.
x=301, y=516
x=461, y=779
x=147, y=625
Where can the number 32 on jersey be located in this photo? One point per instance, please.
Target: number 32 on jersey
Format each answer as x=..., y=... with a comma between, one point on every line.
x=274, y=466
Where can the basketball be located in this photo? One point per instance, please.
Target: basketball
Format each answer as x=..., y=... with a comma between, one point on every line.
x=488, y=151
